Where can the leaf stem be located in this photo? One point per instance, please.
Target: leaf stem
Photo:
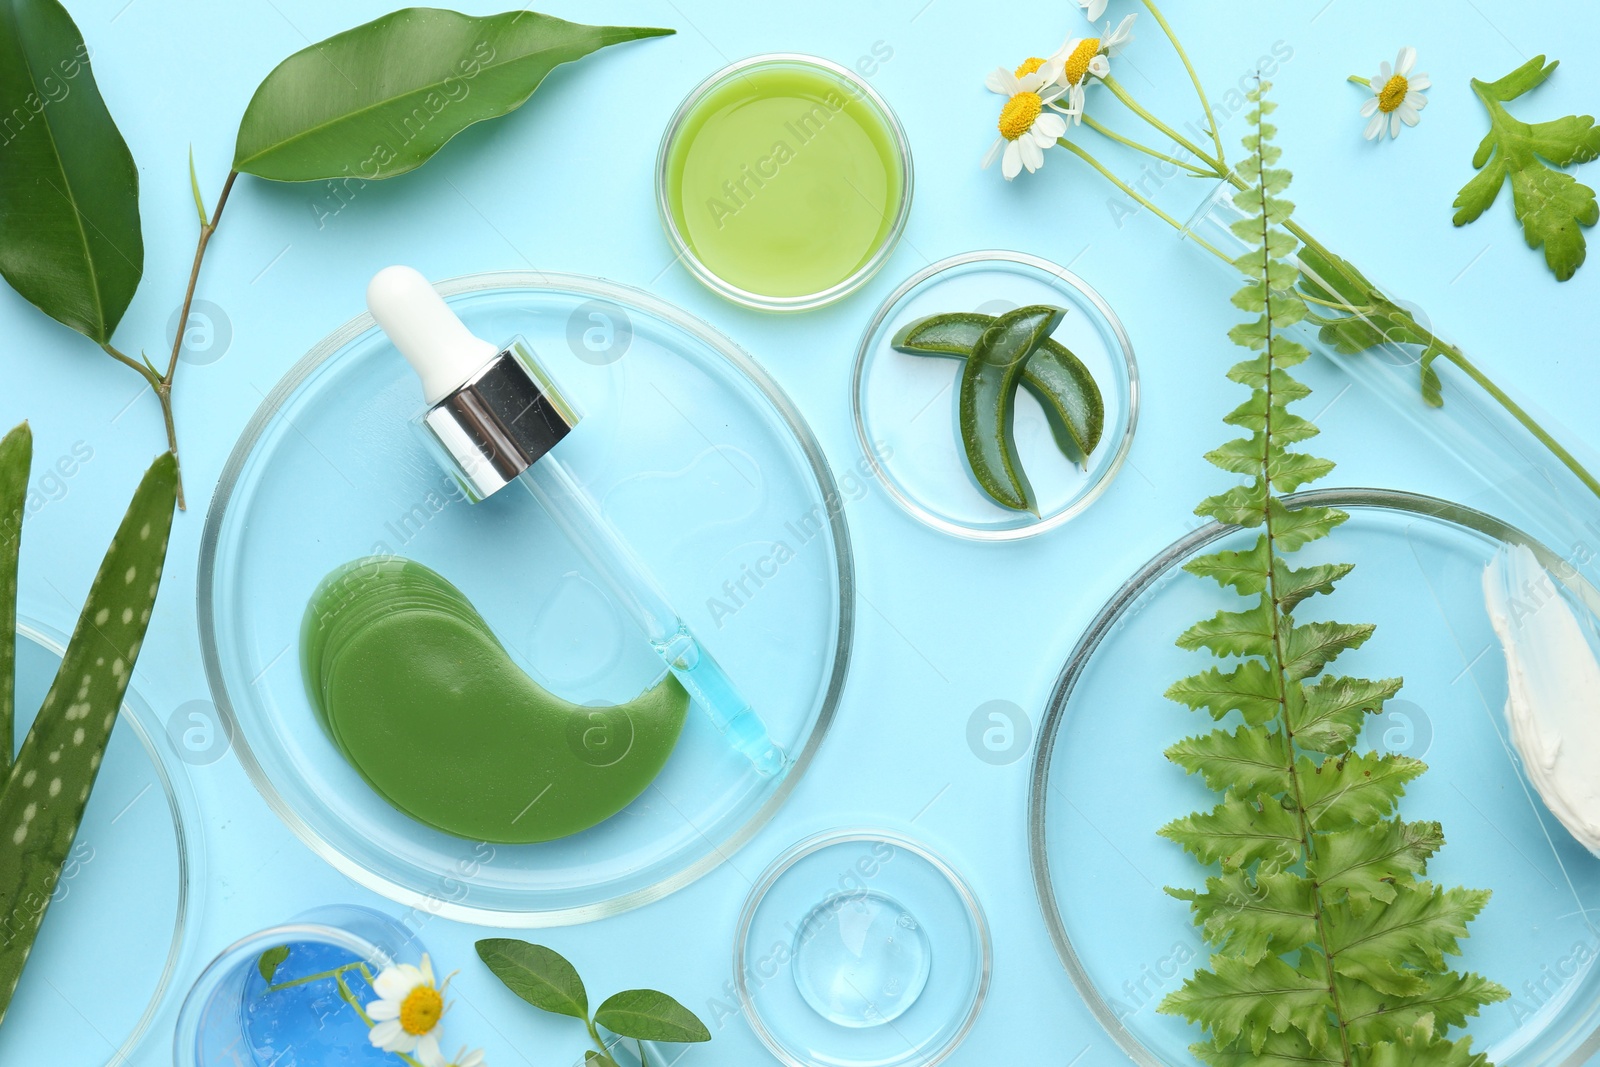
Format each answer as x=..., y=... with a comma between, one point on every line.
x=1219, y=167
x=1106, y=131
x=1144, y=201
x=1359, y=80
x=1199, y=90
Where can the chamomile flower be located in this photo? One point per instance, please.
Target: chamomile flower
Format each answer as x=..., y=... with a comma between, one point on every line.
x=1093, y=9
x=408, y=1010
x=1026, y=128
x=1396, y=96
x=1082, y=58
x=463, y=1059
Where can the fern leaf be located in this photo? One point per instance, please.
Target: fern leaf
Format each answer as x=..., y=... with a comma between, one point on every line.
x=1358, y=790
x=1421, y=1047
x=1243, y=505
x=1368, y=863
x=1330, y=713
x=1294, y=584
x=1296, y=528
x=1450, y=997
x=1233, y=633
x=1255, y=918
x=1253, y=1001
x=1246, y=762
x=1238, y=833
x=1250, y=689
x=1314, y=645
x=1247, y=571
x=1381, y=946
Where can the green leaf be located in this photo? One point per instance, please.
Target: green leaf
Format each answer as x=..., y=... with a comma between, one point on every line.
x=45, y=796
x=69, y=190
x=1253, y=1001
x=1255, y=918
x=269, y=962
x=1314, y=645
x=1233, y=633
x=1293, y=585
x=194, y=188
x=1237, y=833
x=1289, y=1049
x=1295, y=528
x=1451, y=998
x=1331, y=713
x=1383, y=946
x=381, y=99
x=1369, y=863
x=601, y=1058
x=1245, y=571
x=16, y=458
x=539, y=975
x=1246, y=762
x=1250, y=689
x=1354, y=790
x=650, y=1016
x=1420, y=1047
x=1243, y=505
x=1552, y=205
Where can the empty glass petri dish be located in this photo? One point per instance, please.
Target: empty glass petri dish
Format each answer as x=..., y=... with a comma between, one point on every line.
x=1101, y=787
x=860, y=948
x=698, y=461
x=784, y=181
x=122, y=921
x=905, y=405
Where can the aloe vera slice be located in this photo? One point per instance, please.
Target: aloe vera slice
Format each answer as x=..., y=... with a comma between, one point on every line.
x=48, y=788
x=16, y=456
x=1065, y=389
x=987, y=402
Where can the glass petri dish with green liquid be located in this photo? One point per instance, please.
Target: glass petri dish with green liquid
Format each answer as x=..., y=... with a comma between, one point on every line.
x=784, y=182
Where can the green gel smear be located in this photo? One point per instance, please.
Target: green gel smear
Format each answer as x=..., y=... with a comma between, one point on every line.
x=422, y=699
x=784, y=181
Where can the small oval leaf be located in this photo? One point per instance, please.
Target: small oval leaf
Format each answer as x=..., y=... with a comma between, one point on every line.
x=539, y=975
x=381, y=99
x=650, y=1016
x=69, y=190
x=270, y=961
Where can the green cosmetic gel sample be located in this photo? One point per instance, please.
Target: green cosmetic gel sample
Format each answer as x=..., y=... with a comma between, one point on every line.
x=785, y=180
x=426, y=704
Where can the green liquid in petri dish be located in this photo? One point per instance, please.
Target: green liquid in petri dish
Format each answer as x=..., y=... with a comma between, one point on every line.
x=784, y=180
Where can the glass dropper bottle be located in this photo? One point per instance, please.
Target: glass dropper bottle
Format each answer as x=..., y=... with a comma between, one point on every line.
x=495, y=416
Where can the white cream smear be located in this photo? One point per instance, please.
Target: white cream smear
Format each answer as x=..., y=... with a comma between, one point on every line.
x=1553, y=707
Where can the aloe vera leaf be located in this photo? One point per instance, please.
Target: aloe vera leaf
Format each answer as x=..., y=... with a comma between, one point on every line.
x=988, y=397
x=16, y=457
x=45, y=796
x=1068, y=393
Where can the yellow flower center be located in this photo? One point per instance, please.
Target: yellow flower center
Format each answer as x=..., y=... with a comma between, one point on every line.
x=1393, y=94
x=420, y=1011
x=1078, y=62
x=1017, y=117
x=1029, y=65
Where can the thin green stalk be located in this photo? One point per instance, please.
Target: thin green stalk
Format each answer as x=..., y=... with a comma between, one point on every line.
x=1106, y=131
x=1359, y=80
x=336, y=973
x=1142, y=200
x=1139, y=109
x=1199, y=90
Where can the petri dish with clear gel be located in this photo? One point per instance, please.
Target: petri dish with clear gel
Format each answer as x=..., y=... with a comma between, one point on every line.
x=905, y=404
x=861, y=948
x=124, y=916
x=784, y=182
x=693, y=455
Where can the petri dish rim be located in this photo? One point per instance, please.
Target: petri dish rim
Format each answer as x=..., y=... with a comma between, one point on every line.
x=805, y=301
x=238, y=462
x=827, y=839
x=1102, y=625
x=915, y=508
x=181, y=805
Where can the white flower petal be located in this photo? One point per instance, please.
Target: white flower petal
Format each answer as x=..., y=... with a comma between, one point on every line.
x=1394, y=124
x=1011, y=161
x=1118, y=39
x=1385, y=72
x=1416, y=100
x=427, y=969
x=385, y=1032
x=428, y=1046
x=994, y=152
x=1100, y=67
x=1405, y=61
x=1050, y=126
x=394, y=984
x=384, y=1009
x=1002, y=81
x=1369, y=107
x=1093, y=9
x=1420, y=82
x=1408, y=114
x=1375, y=127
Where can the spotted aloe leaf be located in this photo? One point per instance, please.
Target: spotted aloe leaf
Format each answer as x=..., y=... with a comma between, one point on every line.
x=48, y=787
x=16, y=453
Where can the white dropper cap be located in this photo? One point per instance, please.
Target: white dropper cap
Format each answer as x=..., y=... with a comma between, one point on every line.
x=437, y=344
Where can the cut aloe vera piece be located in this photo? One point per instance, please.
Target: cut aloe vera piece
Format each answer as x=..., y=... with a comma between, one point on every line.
x=48, y=788
x=1057, y=378
x=988, y=398
x=16, y=456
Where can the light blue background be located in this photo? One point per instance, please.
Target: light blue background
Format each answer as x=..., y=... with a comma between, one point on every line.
x=565, y=185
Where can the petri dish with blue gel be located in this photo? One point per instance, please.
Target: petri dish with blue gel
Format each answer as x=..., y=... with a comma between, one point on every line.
x=861, y=947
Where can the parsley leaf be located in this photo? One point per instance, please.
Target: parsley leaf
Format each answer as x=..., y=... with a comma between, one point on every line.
x=1551, y=204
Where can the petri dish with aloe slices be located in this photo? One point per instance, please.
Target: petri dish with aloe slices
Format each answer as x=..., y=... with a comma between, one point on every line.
x=905, y=404
x=784, y=181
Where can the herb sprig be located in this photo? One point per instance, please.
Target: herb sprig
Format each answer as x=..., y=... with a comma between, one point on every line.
x=1329, y=947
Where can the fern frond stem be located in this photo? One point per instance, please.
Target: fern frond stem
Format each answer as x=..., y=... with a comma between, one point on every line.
x=1279, y=651
x=1199, y=90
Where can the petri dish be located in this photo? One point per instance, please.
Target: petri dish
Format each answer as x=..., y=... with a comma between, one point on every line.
x=784, y=181
x=124, y=911
x=861, y=947
x=905, y=405
x=1101, y=788
x=695, y=457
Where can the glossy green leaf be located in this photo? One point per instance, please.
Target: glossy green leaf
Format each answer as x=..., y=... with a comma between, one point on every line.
x=381, y=99
x=269, y=962
x=69, y=191
x=48, y=789
x=16, y=457
x=649, y=1015
x=539, y=975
